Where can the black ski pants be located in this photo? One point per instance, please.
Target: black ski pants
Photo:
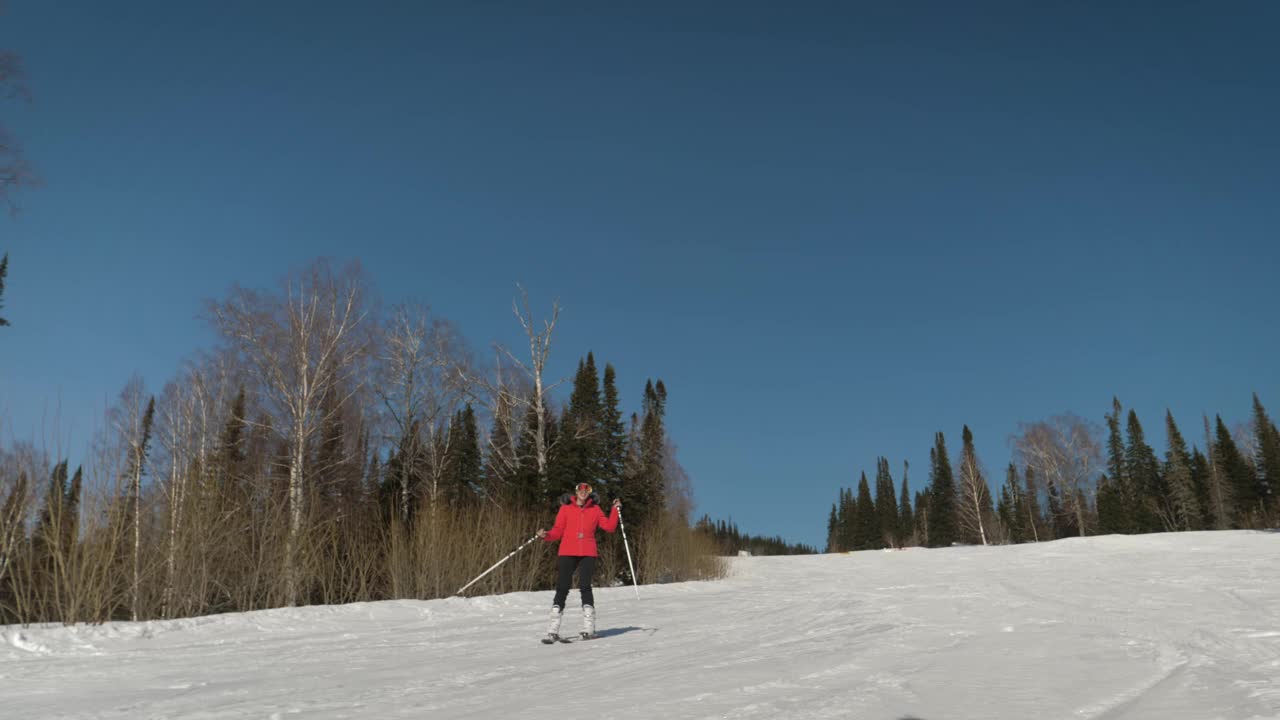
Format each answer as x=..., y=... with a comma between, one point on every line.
x=585, y=567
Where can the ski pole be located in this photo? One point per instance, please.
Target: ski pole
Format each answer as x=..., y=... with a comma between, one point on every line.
x=495, y=565
x=634, y=581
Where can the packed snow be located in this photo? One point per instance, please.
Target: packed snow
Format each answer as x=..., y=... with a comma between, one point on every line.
x=1161, y=626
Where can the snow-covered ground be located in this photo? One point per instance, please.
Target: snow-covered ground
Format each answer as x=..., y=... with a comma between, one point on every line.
x=1163, y=627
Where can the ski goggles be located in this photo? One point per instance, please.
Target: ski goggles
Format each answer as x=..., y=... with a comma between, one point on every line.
x=583, y=486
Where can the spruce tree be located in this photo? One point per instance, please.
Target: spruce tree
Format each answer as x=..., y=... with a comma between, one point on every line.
x=71, y=509
x=45, y=540
x=629, y=490
x=1184, y=500
x=651, y=482
x=1016, y=523
x=1004, y=512
x=848, y=521
x=403, y=476
x=1144, y=470
x=833, y=527
x=869, y=535
x=1268, y=461
x=330, y=471
x=526, y=484
x=921, y=526
x=231, y=442
x=463, y=460
x=613, y=431
x=1237, y=476
x=1111, y=516
x=551, y=487
x=1123, y=502
x=886, y=503
x=942, y=497
x=906, y=523
x=580, y=452
x=1200, y=478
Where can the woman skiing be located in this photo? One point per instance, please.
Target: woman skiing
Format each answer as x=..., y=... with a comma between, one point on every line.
x=575, y=528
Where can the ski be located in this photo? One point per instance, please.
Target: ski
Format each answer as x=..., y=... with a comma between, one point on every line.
x=553, y=639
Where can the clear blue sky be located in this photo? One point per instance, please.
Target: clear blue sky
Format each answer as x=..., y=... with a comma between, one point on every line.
x=831, y=228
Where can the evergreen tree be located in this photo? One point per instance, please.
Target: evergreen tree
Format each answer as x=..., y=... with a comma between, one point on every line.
x=921, y=527
x=630, y=490
x=1200, y=475
x=1268, y=461
x=1144, y=470
x=1014, y=516
x=463, y=460
x=1004, y=512
x=869, y=535
x=833, y=527
x=46, y=540
x=906, y=523
x=614, y=433
x=1123, y=500
x=848, y=521
x=231, y=451
x=886, y=504
x=648, y=486
x=71, y=509
x=1111, y=516
x=330, y=469
x=1184, y=500
x=404, y=475
x=942, y=497
x=526, y=484
x=136, y=464
x=581, y=449
x=1237, y=476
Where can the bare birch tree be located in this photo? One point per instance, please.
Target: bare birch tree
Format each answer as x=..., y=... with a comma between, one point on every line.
x=1064, y=451
x=501, y=395
x=421, y=378
x=974, y=509
x=503, y=458
x=132, y=421
x=300, y=345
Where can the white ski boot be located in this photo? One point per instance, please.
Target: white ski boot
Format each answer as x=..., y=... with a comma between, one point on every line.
x=588, y=622
x=553, y=629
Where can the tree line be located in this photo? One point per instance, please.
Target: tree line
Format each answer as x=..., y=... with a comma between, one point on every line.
x=729, y=540
x=1070, y=478
x=328, y=451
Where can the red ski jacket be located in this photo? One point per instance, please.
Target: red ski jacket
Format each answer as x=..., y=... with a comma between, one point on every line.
x=575, y=527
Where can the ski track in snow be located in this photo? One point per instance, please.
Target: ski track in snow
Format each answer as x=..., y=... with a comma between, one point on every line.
x=1167, y=627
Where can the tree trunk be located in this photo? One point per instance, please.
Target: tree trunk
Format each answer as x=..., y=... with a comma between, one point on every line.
x=137, y=536
x=295, y=516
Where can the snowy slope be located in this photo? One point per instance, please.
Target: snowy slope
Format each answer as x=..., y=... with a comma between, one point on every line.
x=1166, y=626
